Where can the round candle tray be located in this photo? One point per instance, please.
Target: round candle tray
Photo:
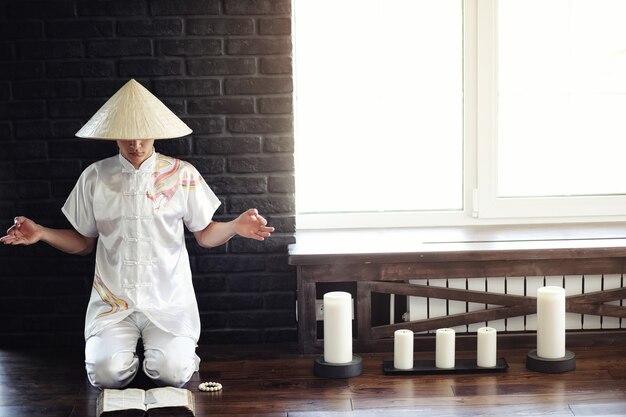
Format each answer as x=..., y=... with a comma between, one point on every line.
x=548, y=365
x=338, y=370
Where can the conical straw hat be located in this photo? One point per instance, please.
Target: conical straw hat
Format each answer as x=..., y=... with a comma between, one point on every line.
x=133, y=113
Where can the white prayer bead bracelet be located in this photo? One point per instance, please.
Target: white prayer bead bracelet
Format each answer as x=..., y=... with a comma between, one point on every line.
x=210, y=386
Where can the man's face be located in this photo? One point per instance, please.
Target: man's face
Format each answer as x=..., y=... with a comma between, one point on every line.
x=136, y=151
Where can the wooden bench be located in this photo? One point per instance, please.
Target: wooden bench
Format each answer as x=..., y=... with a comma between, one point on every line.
x=367, y=262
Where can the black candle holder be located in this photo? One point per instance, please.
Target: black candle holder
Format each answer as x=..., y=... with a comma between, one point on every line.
x=338, y=370
x=428, y=367
x=536, y=363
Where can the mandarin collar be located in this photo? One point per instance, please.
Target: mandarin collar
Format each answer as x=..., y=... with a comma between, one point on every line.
x=146, y=166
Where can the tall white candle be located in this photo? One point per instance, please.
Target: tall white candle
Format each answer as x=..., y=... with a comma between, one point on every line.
x=337, y=327
x=551, y=322
x=486, y=347
x=444, y=348
x=403, y=349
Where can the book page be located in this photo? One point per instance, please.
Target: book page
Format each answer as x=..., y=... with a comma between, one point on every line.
x=168, y=397
x=114, y=399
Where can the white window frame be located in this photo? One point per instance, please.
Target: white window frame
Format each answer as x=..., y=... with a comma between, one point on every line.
x=481, y=206
x=489, y=205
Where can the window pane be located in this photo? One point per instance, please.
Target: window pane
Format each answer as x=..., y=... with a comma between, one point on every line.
x=378, y=105
x=562, y=97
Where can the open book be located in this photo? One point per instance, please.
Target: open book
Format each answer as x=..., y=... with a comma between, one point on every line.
x=131, y=402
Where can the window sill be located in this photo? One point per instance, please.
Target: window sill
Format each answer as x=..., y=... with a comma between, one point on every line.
x=460, y=243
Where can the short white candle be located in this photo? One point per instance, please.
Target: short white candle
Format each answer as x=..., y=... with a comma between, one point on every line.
x=337, y=327
x=486, y=347
x=551, y=322
x=403, y=349
x=444, y=348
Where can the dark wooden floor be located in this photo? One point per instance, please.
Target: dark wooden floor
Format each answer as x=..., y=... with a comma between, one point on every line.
x=273, y=382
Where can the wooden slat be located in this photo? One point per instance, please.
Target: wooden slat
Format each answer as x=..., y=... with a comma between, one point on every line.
x=450, y=293
x=306, y=312
x=498, y=268
x=434, y=323
x=598, y=296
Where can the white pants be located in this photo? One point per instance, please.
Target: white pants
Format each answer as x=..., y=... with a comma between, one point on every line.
x=112, y=362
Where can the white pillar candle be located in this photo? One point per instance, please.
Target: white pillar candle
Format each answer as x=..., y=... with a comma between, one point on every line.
x=444, y=348
x=486, y=347
x=551, y=322
x=403, y=349
x=337, y=327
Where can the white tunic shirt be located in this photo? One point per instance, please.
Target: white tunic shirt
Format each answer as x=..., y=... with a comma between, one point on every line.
x=141, y=259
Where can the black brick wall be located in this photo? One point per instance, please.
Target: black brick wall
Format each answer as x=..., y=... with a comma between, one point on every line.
x=224, y=66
